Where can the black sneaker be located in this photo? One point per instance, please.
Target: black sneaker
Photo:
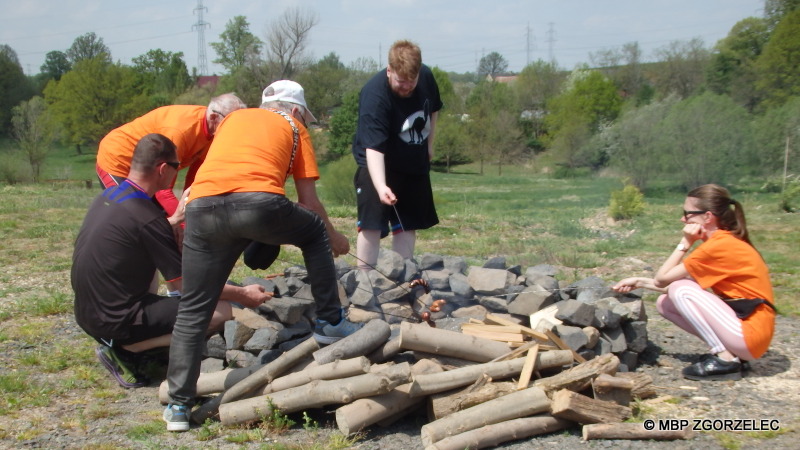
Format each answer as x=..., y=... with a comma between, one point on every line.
x=711, y=367
x=121, y=370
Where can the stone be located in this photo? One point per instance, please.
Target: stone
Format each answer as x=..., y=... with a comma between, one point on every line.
x=267, y=356
x=636, y=335
x=390, y=264
x=616, y=338
x=411, y=272
x=397, y=313
x=496, y=304
x=455, y=264
x=209, y=365
x=431, y=261
x=378, y=281
x=342, y=267
x=239, y=358
x=215, y=347
x=363, y=296
x=629, y=359
x=300, y=329
x=288, y=310
x=460, y=285
x=574, y=312
x=635, y=309
x=281, y=286
x=603, y=346
x=516, y=270
x=530, y=301
x=252, y=319
x=476, y=312
x=299, y=272
x=294, y=284
x=348, y=280
x=547, y=282
x=592, y=336
x=574, y=337
x=495, y=262
x=604, y=318
x=546, y=270
x=269, y=285
x=395, y=294
x=438, y=279
x=488, y=281
x=262, y=339
x=236, y=334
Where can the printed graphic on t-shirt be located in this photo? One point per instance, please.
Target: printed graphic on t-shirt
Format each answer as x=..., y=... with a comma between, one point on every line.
x=416, y=127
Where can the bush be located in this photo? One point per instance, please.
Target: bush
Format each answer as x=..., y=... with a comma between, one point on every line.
x=13, y=168
x=790, y=199
x=336, y=182
x=627, y=203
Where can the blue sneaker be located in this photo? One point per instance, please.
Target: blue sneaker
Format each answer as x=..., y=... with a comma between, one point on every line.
x=325, y=333
x=177, y=417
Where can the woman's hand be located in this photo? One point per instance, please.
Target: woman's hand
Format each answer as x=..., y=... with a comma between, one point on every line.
x=693, y=232
x=626, y=285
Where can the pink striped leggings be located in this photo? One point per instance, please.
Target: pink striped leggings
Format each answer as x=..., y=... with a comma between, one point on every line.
x=704, y=315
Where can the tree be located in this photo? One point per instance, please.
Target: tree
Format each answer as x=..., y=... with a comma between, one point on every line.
x=492, y=65
x=450, y=141
x=93, y=98
x=344, y=122
x=682, y=66
x=708, y=140
x=33, y=131
x=14, y=85
x=448, y=95
x=163, y=74
x=536, y=85
x=55, y=65
x=771, y=132
x=777, y=65
x=287, y=39
x=88, y=46
x=775, y=10
x=483, y=106
x=732, y=68
x=623, y=66
x=238, y=45
x=323, y=83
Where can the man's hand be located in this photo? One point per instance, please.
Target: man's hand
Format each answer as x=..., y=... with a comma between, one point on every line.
x=252, y=296
x=339, y=243
x=386, y=195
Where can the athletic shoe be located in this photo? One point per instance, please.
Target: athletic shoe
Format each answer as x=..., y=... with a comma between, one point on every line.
x=714, y=368
x=325, y=333
x=177, y=417
x=118, y=368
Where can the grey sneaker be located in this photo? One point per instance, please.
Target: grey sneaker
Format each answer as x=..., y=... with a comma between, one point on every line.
x=325, y=333
x=177, y=417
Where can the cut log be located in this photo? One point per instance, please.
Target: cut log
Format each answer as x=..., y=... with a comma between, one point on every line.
x=491, y=318
x=612, y=389
x=528, y=368
x=338, y=369
x=632, y=431
x=547, y=313
x=212, y=382
x=448, y=362
x=495, y=434
x=642, y=384
x=582, y=409
x=316, y=394
x=446, y=403
x=364, y=412
x=449, y=343
x=386, y=351
x=371, y=336
x=512, y=406
x=579, y=377
x=510, y=338
x=440, y=382
x=256, y=380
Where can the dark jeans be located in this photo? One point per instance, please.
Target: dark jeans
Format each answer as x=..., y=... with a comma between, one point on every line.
x=217, y=231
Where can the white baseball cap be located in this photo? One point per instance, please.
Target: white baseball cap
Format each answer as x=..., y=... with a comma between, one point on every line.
x=290, y=92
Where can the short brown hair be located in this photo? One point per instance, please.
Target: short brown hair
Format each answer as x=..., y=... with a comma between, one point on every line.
x=405, y=59
x=152, y=150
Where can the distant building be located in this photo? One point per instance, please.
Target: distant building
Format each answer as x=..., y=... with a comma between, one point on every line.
x=210, y=81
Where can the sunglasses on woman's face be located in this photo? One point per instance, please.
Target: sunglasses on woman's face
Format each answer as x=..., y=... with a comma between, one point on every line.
x=686, y=213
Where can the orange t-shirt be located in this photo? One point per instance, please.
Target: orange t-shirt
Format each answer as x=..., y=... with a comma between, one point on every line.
x=251, y=153
x=732, y=268
x=184, y=125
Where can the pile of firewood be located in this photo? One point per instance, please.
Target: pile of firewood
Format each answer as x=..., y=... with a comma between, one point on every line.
x=493, y=382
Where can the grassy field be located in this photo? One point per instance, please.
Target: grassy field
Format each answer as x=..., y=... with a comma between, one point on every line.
x=529, y=218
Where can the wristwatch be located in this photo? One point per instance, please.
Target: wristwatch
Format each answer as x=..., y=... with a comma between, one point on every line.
x=681, y=247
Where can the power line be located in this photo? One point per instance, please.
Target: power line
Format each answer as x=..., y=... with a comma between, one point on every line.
x=200, y=26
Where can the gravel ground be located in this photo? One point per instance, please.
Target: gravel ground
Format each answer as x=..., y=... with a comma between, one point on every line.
x=771, y=390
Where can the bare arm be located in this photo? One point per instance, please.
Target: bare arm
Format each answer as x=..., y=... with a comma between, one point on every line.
x=673, y=268
x=307, y=196
x=250, y=296
x=629, y=284
x=377, y=171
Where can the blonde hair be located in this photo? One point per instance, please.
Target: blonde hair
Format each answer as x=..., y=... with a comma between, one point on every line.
x=405, y=59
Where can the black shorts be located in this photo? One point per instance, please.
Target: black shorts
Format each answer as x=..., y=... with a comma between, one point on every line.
x=155, y=318
x=414, y=205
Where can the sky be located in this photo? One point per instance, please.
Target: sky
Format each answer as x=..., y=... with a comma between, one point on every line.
x=453, y=34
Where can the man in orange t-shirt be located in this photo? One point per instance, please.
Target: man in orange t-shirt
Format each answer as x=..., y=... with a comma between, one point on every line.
x=238, y=198
x=191, y=128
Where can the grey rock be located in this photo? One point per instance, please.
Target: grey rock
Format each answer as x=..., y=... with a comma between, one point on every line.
x=431, y=261
x=267, y=356
x=489, y=281
x=604, y=318
x=215, y=347
x=616, y=338
x=455, y=264
x=342, y=267
x=239, y=358
x=438, y=279
x=299, y=272
x=460, y=285
x=349, y=282
x=574, y=312
x=390, y=264
x=629, y=359
x=495, y=262
x=530, y=301
x=476, y=312
x=379, y=281
x=288, y=310
x=268, y=285
x=397, y=313
x=294, y=284
x=397, y=293
x=574, y=337
x=636, y=335
x=209, y=365
x=411, y=271
x=541, y=270
x=262, y=339
x=236, y=334
x=497, y=304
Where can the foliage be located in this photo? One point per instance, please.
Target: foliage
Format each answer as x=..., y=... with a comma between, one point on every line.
x=732, y=68
x=451, y=101
x=14, y=85
x=56, y=64
x=492, y=65
x=309, y=424
x=287, y=38
x=323, y=83
x=681, y=68
x=536, y=85
x=94, y=98
x=163, y=74
x=33, y=131
x=636, y=142
x=709, y=141
x=626, y=203
x=336, y=182
x=771, y=132
x=790, y=197
x=13, y=168
x=238, y=44
x=450, y=141
x=775, y=10
x=623, y=66
x=344, y=122
x=88, y=46
x=777, y=65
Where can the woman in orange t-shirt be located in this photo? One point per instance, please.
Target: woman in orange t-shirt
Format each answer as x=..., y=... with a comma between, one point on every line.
x=736, y=318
